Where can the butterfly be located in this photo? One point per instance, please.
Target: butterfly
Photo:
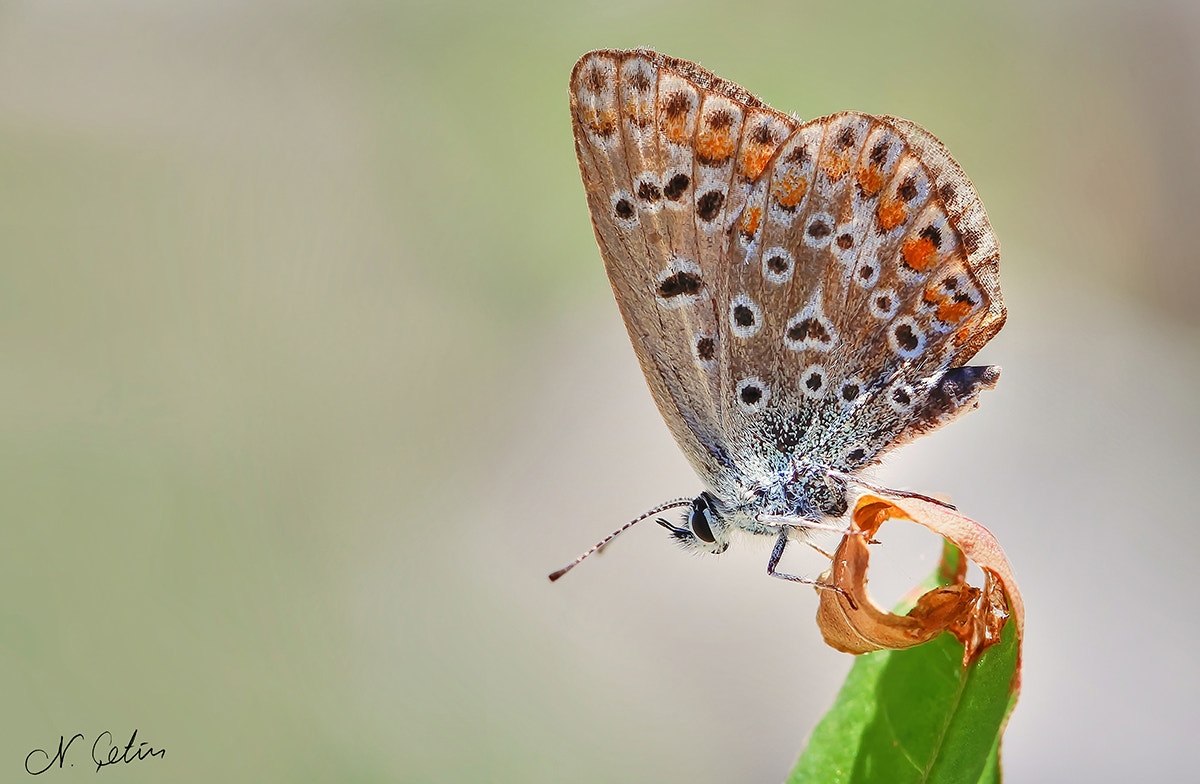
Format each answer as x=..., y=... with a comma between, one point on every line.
x=802, y=297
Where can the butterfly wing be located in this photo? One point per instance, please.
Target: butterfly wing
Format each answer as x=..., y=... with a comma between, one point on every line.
x=862, y=274
x=668, y=154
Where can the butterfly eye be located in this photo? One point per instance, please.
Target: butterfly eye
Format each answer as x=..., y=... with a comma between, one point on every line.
x=701, y=528
x=699, y=521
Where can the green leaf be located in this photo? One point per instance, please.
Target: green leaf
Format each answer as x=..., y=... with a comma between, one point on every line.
x=916, y=715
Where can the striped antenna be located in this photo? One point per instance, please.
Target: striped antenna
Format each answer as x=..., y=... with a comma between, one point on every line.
x=656, y=510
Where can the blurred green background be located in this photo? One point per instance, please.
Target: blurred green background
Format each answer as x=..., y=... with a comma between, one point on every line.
x=311, y=373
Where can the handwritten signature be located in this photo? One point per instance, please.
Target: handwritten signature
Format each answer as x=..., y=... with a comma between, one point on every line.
x=104, y=752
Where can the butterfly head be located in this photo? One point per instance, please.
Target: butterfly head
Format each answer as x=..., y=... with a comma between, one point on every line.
x=704, y=528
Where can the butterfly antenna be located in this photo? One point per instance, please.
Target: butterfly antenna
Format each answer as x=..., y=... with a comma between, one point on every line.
x=656, y=510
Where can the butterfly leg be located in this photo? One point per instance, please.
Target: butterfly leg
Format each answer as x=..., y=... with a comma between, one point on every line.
x=801, y=522
x=804, y=524
x=819, y=550
x=777, y=554
x=888, y=491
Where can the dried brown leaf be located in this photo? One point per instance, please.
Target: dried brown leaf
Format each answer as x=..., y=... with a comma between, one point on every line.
x=975, y=616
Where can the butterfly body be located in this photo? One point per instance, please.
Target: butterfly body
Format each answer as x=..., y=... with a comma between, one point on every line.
x=802, y=297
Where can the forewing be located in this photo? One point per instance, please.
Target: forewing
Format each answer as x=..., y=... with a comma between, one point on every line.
x=668, y=153
x=863, y=269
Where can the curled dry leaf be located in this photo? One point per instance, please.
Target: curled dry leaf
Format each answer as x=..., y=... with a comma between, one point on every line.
x=975, y=616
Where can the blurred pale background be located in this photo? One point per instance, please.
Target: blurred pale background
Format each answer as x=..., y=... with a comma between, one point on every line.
x=311, y=374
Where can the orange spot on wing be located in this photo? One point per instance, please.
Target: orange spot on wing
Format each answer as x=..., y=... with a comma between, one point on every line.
x=949, y=309
x=789, y=189
x=754, y=160
x=639, y=111
x=919, y=253
x=953, y=312
x=715, y=146
x=836, y=166
x=675, y=127
x=751, y=220
x=870, y=180
x=602, y=123
x=891, y=214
